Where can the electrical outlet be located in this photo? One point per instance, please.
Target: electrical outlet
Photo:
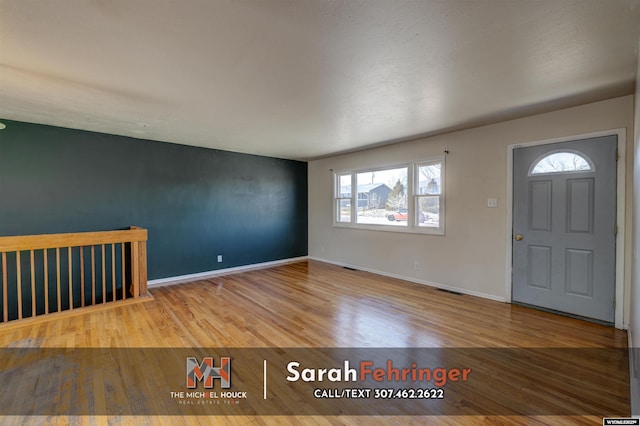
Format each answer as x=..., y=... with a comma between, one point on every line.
x=219, y=258
x=492, y=202
x=416, y=266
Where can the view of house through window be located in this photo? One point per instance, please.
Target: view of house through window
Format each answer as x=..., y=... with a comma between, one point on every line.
x=344, y=198
x=428, y=193
x=407, y=197
x=382, y=197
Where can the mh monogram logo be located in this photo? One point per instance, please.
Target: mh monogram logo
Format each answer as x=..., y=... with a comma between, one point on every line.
x=206, y=372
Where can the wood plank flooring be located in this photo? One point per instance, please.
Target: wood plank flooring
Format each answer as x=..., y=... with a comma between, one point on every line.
x=314, y=304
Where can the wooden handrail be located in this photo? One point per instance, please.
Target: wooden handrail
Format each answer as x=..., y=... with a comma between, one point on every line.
x=80, y=239
x=25, y=277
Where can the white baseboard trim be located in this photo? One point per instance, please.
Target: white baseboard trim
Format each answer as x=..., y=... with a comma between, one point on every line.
x=218, y=272
x=414, y=280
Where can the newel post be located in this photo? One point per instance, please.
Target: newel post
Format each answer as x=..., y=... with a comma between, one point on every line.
x=139, y=263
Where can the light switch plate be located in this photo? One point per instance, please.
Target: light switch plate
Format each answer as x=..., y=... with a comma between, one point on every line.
x=492, y=202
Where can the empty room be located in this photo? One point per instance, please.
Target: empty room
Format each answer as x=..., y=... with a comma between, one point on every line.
x=319, y=212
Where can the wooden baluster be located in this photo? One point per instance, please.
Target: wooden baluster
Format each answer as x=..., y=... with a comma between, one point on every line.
x=113, y=271
x=93, y=275
x=70, y=281
x=33, y=284
x=124, y=283
x=82, y=276
x=135, y=273
x=142, y=267
x=104, y=278
x=46, y=283
x=19, y=270
x=58, y=278
x=5, y=302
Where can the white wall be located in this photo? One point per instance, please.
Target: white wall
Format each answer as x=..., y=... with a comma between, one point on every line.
x=472, y=255
x=634, y=327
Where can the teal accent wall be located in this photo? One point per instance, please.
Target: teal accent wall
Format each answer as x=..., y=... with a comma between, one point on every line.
x=195, y=202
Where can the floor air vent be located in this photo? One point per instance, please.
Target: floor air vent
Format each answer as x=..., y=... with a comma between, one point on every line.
x=451, y=291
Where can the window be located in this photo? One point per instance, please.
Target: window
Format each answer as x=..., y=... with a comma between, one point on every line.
x=428, y=195
x=343, y=191
x=404, y=198
x=380, y=194
x=561, y=162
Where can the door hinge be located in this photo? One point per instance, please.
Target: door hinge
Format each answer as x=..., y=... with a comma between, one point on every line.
x=615, y=229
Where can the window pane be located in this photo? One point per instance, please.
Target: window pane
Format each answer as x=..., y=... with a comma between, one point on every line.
x=344, y=211
x=344, y=186
x=429, y=179
x=382, y=197
x=561, y=162
x=429, y=211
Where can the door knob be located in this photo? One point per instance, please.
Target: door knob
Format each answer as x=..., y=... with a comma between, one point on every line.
x=519, y=237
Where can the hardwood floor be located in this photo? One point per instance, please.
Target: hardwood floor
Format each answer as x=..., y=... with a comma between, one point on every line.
x=313, y=304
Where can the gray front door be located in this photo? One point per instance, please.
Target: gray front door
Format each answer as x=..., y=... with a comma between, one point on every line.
x=564, y=217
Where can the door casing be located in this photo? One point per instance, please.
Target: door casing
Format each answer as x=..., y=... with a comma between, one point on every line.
x=620, y=201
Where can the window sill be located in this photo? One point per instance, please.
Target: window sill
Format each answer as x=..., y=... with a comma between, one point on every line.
x=391, y=228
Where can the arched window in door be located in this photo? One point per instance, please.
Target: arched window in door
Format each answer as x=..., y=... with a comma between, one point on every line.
x=561, y=161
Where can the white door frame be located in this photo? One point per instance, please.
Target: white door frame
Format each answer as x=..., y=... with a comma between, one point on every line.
x=620, y=211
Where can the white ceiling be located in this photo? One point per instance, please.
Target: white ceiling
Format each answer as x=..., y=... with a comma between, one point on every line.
x=307, y=78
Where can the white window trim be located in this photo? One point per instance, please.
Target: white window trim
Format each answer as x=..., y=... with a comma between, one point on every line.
x=412, y=179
